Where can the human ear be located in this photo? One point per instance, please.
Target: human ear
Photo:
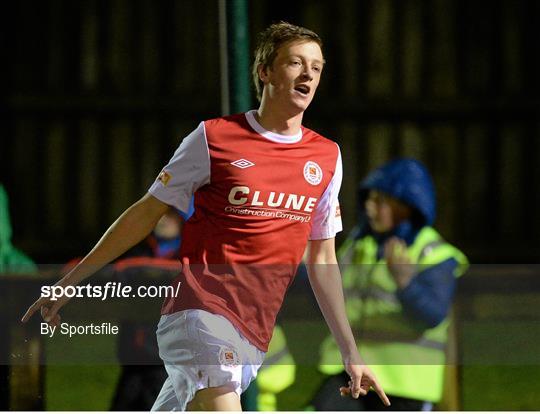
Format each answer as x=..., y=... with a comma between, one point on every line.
x=262, y=70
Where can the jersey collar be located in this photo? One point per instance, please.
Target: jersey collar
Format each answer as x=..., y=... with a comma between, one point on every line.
x=272, y=136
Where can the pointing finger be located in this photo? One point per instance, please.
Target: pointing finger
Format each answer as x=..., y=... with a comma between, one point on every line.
x=380, y=392
x=31, y=310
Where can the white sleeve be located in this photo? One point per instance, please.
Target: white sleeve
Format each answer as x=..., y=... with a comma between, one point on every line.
x=327, y=216
x=186, y=172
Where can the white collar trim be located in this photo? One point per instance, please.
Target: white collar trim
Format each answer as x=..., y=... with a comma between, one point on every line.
x=272, y=136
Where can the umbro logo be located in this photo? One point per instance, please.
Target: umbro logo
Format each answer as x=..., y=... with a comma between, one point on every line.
x=242, y=163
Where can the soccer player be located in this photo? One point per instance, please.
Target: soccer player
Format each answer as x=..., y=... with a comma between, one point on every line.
x=263, y=186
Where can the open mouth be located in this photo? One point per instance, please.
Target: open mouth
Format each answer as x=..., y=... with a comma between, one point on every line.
x=303, y=89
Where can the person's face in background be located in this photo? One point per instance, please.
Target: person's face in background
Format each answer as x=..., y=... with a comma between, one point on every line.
x=385, y=212
x=169, y=226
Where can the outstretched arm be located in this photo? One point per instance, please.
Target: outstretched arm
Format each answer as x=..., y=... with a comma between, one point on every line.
x=129, y=229
x=325, y=279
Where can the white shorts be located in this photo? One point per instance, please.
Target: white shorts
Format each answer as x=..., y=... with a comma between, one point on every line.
x=202, y=350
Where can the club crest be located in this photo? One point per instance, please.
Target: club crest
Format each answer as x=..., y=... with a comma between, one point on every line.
x=313, y=173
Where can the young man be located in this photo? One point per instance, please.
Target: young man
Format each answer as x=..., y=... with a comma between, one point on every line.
x=263, y=186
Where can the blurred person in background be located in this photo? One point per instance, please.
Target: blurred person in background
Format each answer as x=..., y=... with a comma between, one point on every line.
x=399, y=277
x=12, y=260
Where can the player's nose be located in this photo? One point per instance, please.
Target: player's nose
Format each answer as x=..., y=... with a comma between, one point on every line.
x=307, y=74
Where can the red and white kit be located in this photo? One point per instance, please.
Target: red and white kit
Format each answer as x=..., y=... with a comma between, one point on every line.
x=259, y=197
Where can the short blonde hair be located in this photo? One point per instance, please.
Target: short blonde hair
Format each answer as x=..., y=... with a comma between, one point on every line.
x=270, y=40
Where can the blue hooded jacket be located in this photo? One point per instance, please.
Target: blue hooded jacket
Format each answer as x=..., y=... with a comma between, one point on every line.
x=407, y=180
x=429, y=294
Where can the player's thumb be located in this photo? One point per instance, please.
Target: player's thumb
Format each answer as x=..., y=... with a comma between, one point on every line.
x=51, y=313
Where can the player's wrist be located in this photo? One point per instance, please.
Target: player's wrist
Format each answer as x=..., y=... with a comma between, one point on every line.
x=351, y=357
x=70, y=279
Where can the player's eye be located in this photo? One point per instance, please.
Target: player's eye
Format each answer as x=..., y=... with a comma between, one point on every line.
x=317, y=68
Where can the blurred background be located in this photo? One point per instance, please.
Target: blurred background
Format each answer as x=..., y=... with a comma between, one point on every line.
x=97, y=95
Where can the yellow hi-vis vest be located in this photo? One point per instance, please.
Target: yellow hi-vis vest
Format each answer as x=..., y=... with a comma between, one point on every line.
x=407, y=358
x=277, y=372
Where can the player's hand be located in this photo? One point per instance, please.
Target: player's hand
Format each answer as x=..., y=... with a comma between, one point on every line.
x=362, y=380
x=398, y=261
x=48, y=308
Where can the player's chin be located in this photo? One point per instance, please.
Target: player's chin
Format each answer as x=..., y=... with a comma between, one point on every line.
x=302, y=103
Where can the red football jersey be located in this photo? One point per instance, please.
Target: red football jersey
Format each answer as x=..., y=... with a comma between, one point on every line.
x=259, y=197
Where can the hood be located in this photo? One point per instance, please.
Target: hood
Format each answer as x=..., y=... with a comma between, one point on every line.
x=407, y=180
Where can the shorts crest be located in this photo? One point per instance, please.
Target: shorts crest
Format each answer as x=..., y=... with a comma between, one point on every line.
x=228, y=356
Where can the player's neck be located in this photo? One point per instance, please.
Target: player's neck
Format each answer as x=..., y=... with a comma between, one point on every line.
x=279, y=122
